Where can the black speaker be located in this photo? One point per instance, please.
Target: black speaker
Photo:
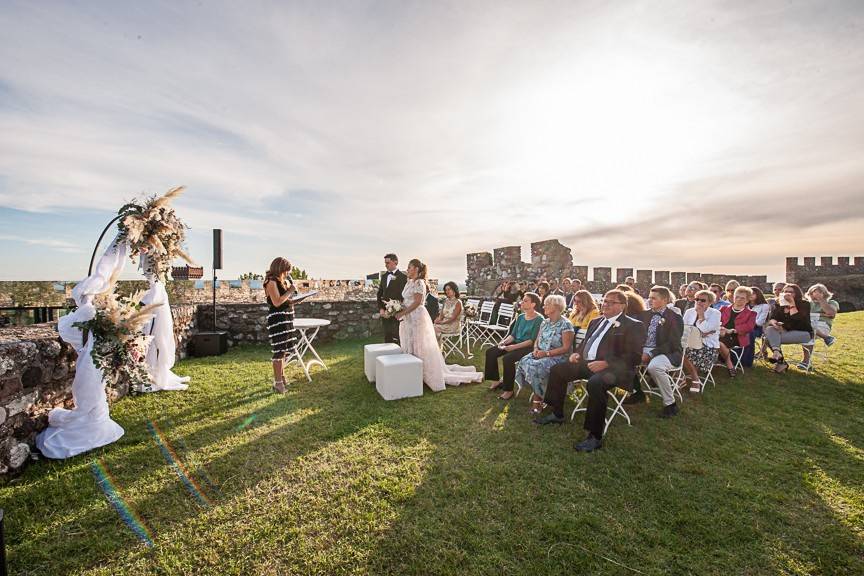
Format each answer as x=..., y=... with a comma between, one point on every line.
x=217, y=249
x=209, y=344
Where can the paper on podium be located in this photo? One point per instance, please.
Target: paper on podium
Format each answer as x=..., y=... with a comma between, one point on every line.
x=303, y=296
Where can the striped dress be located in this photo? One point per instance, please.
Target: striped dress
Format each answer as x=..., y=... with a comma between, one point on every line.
x=280, y=326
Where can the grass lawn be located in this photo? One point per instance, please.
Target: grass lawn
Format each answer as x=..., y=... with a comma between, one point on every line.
x=762, y=475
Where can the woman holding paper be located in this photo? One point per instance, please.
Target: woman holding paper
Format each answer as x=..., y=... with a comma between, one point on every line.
x=280, y=319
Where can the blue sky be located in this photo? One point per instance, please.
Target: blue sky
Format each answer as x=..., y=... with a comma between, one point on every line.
x=716, y=136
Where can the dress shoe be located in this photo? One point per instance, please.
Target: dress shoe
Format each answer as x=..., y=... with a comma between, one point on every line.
x=549, y=419
x=636, y=398
x=669, y=411
x=589, y=444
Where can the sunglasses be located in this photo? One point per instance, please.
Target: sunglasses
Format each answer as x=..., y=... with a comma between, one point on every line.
x=701, y=300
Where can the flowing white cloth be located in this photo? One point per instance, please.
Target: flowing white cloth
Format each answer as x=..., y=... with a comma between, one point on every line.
x=417, y=337
x=88, y=425
x=161, y=352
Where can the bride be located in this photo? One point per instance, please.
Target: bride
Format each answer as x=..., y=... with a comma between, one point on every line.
x=417, y=335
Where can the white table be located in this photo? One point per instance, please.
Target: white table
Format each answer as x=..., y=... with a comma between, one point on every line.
x=307, y=329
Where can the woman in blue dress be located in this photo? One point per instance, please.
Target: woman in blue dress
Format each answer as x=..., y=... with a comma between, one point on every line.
x=553, y=345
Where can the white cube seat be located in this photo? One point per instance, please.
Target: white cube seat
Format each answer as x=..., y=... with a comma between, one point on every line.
x=371, y=352
x=398, y=376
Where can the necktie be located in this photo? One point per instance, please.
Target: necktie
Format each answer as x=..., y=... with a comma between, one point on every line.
x=595, y=335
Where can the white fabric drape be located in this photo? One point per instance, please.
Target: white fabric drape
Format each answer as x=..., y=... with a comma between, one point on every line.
x=161, y=353
x=88, y=425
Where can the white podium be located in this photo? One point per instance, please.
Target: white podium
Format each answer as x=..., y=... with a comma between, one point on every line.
x=398, y=376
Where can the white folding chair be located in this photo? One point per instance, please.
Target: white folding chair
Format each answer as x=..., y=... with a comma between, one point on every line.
x=493, y=333
x=475, y=326
x=616, y=395
x=823, y=354
x=452, y=343
x=676, y=373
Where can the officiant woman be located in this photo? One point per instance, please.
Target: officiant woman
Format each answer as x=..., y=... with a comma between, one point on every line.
x=280, y=318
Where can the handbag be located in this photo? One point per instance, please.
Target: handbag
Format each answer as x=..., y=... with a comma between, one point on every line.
x=692, y=338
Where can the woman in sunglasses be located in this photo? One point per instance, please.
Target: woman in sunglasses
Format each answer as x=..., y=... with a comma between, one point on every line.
x=706, y=320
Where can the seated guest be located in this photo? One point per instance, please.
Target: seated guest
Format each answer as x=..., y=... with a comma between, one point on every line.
x=731, y=286
x=688, y=301
x=661, y=351
x=777, y=289
x=532, y=286
x=707, y=321
x=625, y=288
x=788, y=323
x=518, y=343
x=682, y=291
x=822, y=304
x=567, y=292
x=577, y=285
x=542, y=292
x=553, y=345
x=554, y=289
x=719, y=300
x=608, y=358
x=631, y=282
x=584, y=310
x=635, y=304
x=449, y=320
x=761, y=307
x=737, y=322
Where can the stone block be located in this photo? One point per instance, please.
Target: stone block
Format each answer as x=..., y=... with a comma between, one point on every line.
x=20, y=404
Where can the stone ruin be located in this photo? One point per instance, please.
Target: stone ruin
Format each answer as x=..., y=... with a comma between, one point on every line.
x=845, y=279
x=551, y=259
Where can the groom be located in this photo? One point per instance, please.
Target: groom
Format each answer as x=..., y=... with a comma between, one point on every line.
x=392, y=283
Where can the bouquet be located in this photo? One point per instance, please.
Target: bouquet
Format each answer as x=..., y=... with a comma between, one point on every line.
x=470, y=311
x=153, y=229
x=119, y=345
x=391, y=307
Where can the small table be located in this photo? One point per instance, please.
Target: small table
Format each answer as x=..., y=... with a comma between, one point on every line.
x=308, y=328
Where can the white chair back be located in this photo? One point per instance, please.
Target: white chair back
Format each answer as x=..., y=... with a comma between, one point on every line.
x=486, y=312
x=505, y=315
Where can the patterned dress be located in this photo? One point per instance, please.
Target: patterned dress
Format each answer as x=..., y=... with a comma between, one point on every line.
x=280, y=326
x=535, y=371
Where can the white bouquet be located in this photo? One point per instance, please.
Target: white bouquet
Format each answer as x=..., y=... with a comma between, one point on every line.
x=470, y=311
x=391, y=307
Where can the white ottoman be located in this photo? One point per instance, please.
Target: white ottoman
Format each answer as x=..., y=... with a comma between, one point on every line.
x=371, y=352
x=398, y=376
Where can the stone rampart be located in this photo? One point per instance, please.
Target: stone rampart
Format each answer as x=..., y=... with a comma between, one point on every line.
x=551, y=259
x=845, y=278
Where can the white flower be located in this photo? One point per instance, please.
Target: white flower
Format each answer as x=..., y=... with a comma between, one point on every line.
x=616, y=324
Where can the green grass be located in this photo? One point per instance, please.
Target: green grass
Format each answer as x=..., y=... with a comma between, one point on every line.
x=762, y=475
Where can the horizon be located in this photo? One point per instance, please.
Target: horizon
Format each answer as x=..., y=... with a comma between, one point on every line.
x=716, y=138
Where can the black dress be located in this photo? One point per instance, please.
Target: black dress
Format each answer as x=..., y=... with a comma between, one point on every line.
x=280, y=326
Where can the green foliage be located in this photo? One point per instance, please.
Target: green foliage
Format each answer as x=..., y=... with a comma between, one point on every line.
x=251, y=276
x=761, y=475
x=298, y=274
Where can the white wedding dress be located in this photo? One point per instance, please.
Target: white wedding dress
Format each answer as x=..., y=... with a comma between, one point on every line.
x=417, y=337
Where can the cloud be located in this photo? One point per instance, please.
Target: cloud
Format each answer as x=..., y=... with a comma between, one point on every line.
x=59, y=245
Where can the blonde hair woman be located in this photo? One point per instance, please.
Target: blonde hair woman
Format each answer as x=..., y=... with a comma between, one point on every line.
x=706, y=320
x=584, y=310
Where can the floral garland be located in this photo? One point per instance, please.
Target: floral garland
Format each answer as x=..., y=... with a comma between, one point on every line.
x=153, y=229
x=119, y=345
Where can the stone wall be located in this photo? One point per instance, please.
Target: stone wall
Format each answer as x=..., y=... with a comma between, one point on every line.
x=246, y=323
x=36, y=372
x=845, y=278
x=551, y=259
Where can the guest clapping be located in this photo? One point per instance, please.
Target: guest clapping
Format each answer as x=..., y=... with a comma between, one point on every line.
x=518, y=343
x=552, y=346
x=449, y=319
x=737, y=322
x=788, y=323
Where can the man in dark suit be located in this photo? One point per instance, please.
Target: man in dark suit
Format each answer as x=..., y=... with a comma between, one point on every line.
x=392, y=283
x=607, y=357
x=688, y=301
x=662, y=350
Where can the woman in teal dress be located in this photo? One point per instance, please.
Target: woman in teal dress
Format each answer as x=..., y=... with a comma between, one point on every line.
x=553, y=345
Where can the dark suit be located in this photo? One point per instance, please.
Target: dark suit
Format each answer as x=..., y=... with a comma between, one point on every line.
x=669, y=334
x=391, y=291
x=683, y=304
x=621, y=348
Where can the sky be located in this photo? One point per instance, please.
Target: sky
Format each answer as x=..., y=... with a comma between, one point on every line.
x=700, y=136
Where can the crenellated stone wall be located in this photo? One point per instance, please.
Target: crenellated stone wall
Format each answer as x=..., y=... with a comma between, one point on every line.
x=551, y=259
x=845, y=278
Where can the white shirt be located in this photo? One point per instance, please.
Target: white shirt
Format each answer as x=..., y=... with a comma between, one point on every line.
x=390, y=276
x=711, y=324
x=591, y=353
